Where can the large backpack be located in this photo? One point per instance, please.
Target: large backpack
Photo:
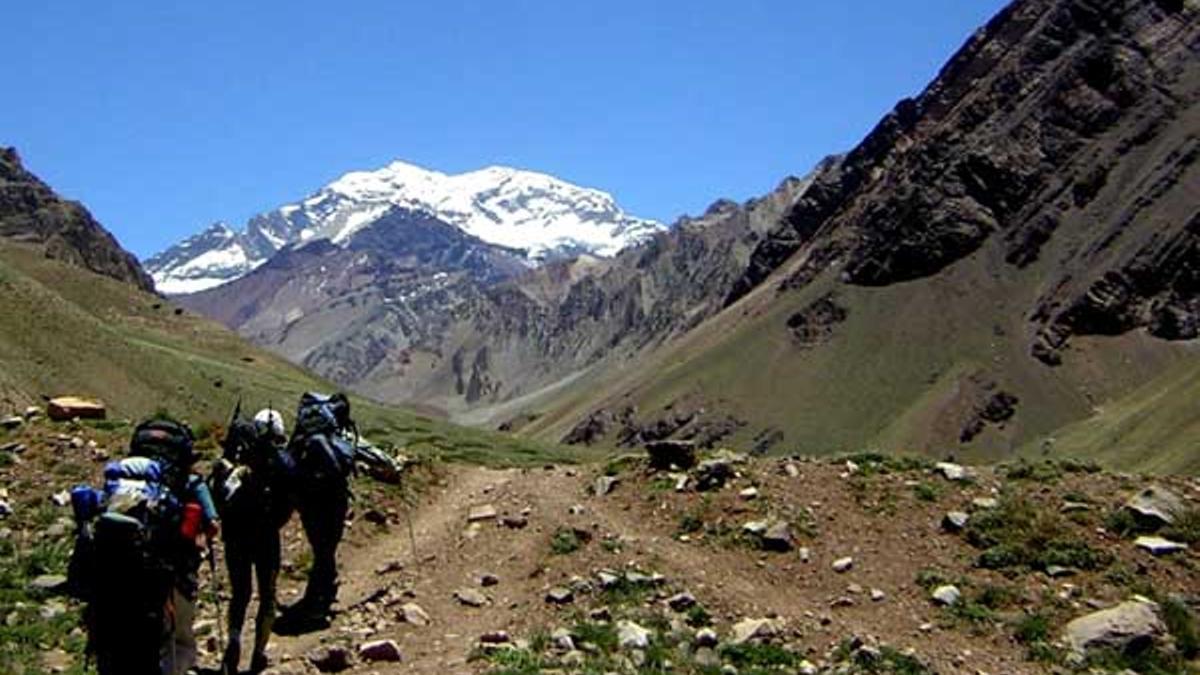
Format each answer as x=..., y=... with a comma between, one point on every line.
x=127, y=537
x=324, y=455
x=256, y=486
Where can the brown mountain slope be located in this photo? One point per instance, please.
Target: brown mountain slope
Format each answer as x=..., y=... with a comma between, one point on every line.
x=31, y=212
x=1036, y=205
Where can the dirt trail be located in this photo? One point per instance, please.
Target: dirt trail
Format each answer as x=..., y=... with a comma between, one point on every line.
x=639, y=525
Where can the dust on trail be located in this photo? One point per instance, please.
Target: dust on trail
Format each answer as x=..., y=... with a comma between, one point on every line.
x=642, y=526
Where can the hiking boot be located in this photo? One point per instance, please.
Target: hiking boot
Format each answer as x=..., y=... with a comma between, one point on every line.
x=298, y=620
x=233, y=654
x=259, y=662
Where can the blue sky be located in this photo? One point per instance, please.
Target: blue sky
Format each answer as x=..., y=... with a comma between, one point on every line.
x=162, y=119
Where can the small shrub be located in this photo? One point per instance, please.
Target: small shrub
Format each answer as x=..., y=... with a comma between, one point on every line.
x=602, y=635
x=1122, y=523
x=698, y=617
x=1182, y=625
x=1040, y=472
x=929, y=578
x=766, y=656
x=1032, y=628
x=1019, y=534
x=1186, y=527
x=926, y=492
x=567, y=540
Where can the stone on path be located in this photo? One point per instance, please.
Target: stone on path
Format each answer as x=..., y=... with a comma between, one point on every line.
x=778, y=537
x=560, y=595
x=331, y=659
x=1127, y=627
x=955, y=521
x=632, y=636
x=604, y=485
x=843, y=564
x=481, y=512
x=947, y=595
x=380, y=650
x=748, y=630
x=414, y=614
x=471, y=597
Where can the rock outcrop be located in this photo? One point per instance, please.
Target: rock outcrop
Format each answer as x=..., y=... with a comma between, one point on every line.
x=32, y=213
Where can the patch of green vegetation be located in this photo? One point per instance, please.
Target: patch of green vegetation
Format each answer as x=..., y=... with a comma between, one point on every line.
x=1039, y=472
x=1019, y=534
x=762, y=656
x=1122, y=523
x=1149, y=661
x=1032, y=628
x=1186, y=527
x=28, y=634
x=625, y=593
x=603, y=636
x=927, y=492
x=871, y=463
x=567, y=540
x=930, y=578
x=698, y=617
x=1182, y=625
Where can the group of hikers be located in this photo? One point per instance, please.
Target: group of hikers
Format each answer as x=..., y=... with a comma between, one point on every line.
x=141, y=537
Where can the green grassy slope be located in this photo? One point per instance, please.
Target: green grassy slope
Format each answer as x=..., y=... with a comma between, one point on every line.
x=904, y=373
x=68, y=331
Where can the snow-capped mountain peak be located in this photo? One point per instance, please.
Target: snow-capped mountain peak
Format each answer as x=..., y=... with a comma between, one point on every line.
x=534, y=212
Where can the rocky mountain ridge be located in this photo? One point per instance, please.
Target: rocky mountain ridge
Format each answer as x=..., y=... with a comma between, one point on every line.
x=31, y=212
x=542, y=216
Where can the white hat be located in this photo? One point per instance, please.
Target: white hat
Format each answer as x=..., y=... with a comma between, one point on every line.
x=269, y=421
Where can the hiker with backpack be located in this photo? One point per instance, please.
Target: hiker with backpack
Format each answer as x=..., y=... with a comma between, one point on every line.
x=136, y=554
x=253, y=483
x=323, y=447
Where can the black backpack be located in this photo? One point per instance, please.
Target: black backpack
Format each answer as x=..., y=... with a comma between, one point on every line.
x=323, y=453
x=257, y=485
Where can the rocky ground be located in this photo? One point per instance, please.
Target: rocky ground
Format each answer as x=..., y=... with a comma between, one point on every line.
x=864, y=564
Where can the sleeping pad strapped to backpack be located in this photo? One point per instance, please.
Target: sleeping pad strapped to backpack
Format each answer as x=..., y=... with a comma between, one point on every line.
x=127, y=535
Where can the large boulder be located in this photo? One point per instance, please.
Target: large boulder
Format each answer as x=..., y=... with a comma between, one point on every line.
x=667, y=454
x=1155, y=506
x=66, y=408
x=1129, y=627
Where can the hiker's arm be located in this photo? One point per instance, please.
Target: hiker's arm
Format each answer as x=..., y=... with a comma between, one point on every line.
x=208, y=509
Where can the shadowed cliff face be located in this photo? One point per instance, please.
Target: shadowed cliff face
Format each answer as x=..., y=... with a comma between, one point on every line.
x=31, y=212
x=1072, y=119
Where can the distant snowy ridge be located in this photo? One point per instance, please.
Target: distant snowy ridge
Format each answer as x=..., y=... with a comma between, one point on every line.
x=540, y=214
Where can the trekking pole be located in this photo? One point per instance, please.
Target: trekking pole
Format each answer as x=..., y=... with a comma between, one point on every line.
x=212, y=566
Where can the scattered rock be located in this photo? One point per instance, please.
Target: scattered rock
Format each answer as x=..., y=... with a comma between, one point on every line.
x=604, y=485
x=495, y=637
x=1058, y=571
x=1129, y=627
x=681, y=481
x=389, y=568
x=514, y=522
x=487, y=579
x=712, y=474
x=560, y=595
x=791, y=470
x=1158, y=545
x=14, y=448
x=380, y=650
x=843, y=564
x=48, y=583
x=706, y=637
x=707, y=657
x=412, y=613
x=951, y=471
x=1074, y=507
x=330, y=659
x=73, y=407
x=632, y=636
x=778, y=537
x=985, y=503
x=878, y=595
x=681, y=601
x=10, y=423
x=955, y=521
x=471, y=597
x=562, y=640
x=667, y=454
x=947, y=595
x=756, y=527
x=5, y=509
x=748, y=630
x=1155, y=506
x=749, y=493
x=482, y=512
x=32, y=412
